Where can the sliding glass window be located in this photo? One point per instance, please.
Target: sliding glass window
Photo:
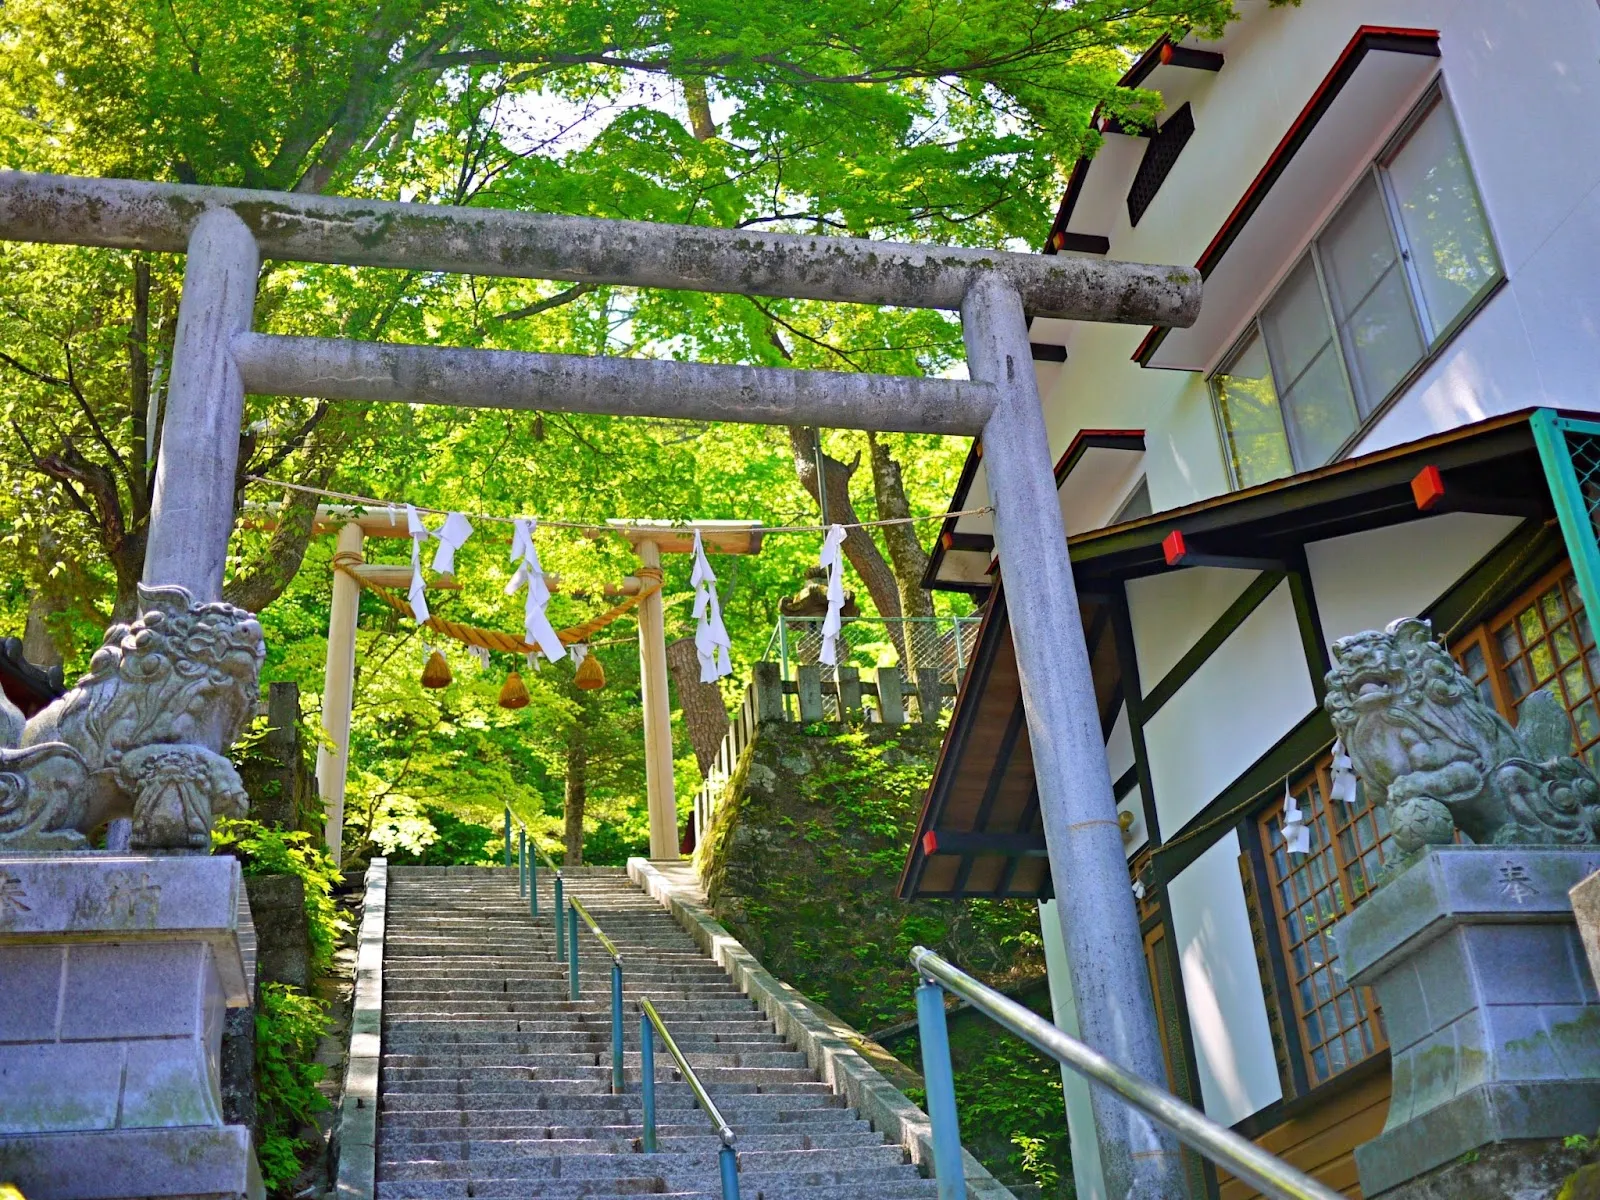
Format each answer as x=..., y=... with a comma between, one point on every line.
x=1392, y=274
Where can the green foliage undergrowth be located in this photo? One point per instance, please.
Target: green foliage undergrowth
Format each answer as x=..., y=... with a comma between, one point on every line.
x=1009, y=1098
x=288, y=1026
x=802, y=865
x=264, y=850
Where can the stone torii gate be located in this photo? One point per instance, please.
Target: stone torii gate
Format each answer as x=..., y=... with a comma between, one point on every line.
x=649, y=539
x=218, y=359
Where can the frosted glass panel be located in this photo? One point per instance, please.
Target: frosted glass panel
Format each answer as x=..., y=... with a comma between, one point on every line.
x=1317, y=409
x=1367, y=284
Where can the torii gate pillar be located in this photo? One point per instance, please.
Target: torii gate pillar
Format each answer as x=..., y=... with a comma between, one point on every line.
x=651, y=539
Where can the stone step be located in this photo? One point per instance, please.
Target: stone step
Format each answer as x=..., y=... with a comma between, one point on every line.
x=526, y=1160
x=496, y=1084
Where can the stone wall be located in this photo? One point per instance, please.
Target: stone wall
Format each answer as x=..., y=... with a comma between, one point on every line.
x=801, y=865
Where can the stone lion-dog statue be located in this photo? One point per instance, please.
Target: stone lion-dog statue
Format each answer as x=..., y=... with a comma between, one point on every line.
x=142, y=735
x=1428, y=747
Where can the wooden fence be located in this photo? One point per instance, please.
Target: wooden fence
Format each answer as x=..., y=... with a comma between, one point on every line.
x=817, y=699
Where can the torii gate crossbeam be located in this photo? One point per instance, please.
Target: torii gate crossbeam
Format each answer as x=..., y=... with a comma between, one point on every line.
x=226, y=232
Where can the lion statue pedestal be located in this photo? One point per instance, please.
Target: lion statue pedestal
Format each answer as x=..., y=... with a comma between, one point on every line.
x=1472, y=949
x=117, y=966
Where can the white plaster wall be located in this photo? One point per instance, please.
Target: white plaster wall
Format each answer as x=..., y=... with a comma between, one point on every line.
x=1254, y=689
x=1365, y=580
x=1119, y=746
x=1524, y=79
x=1170, y=611
x=1086, y=1172
x=1227, y=1012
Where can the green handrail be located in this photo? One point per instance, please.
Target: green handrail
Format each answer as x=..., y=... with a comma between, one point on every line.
x=1241, y=1157
x=610, y=946
x=702, y=1097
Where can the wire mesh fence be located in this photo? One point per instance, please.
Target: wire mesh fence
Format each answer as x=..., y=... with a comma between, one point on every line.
x=944, y=644
x=1569, y=450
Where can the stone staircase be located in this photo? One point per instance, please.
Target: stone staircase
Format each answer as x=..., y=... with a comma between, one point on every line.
x=495, y=1084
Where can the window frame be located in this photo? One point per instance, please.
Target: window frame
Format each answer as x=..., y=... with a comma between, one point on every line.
x=1434, y=342
x=1292, y=1009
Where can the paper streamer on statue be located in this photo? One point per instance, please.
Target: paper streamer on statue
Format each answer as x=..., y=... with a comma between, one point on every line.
x=710, y=636
x=455, y=531
x=537, y=628
x=1296, y=833
x=833, y=560
x=1344, y=776
x=418, y=593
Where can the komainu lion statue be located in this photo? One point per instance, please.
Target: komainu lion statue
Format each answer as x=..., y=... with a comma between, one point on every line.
x=142, y=734
x=1423, y=741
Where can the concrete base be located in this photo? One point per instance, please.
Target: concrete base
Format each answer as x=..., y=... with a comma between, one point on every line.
x=1586, y=907
x=117, y=972
x=1493, y=1020
x=1509, y=1171
x=169, y=1164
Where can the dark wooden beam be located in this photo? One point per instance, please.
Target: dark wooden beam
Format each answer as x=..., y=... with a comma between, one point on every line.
x=991, y=792
x=1187, y=56
x=1081, y=243
x=1012, y=845
x=1044, y=352
x=977, y=543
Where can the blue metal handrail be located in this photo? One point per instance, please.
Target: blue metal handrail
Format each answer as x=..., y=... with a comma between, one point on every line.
x=1243, y=1158
x=528, y=875
x=574, y=911
x=650, y=1027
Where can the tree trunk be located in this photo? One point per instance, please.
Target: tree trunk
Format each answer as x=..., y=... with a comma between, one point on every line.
x=703, y=713
x=274, y=569
x=577, y=792
x=906, y=555
x=694, y=94
x=859, y=548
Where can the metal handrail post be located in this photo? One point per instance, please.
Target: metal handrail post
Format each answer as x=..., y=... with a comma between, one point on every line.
x=647, y=1080
x=729, y=1162
x=939, y=1079
x=561, y=925
x=1269, y=1175
x=533, y=884
x=572, y=949
x=508, y=835
x=616, y=1029
x=961, y=666
x=522, y=863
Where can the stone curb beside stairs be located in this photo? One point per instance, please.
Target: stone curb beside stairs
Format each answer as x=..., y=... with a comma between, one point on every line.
x=823, y=1039
x=357, y=1151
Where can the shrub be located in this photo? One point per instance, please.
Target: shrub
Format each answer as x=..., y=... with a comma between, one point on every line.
x=288, y=1026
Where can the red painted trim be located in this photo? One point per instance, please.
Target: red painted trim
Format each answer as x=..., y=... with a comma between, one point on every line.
x=1427, y=487
x=930, y=842
x=1173, y=548
x=1367, y=38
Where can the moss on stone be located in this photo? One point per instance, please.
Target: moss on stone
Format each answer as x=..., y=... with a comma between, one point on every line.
x=804, y=858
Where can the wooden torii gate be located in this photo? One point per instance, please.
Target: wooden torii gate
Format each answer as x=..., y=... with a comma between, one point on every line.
x=649, y=539
x=217, y=358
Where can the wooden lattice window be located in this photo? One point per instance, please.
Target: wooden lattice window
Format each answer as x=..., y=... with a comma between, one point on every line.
x=1542, y=642
x=1339, y=1026
x=1160, y=156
